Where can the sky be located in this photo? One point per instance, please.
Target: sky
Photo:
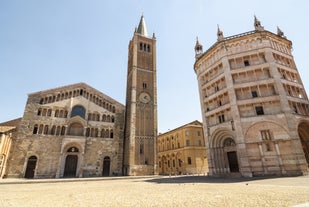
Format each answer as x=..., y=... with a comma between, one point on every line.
x=47, y=44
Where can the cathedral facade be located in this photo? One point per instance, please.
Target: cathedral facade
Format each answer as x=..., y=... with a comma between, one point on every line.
x=78, y=131
x=254, y=106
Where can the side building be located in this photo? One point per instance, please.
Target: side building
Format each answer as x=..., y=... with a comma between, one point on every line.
x=254, y=106
x=8, y=130
x=182, y=150
x=70, y=131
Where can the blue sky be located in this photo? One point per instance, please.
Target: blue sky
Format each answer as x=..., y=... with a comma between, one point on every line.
x=46, y=44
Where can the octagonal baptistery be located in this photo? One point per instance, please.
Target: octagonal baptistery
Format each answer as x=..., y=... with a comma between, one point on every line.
x=254, y=106
x=70, y=131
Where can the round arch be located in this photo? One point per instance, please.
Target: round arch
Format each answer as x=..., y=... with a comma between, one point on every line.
x=31, y=166
x=303, y=133
x=223, y=152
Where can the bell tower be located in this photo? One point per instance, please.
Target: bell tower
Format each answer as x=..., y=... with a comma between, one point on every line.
x=141, y=105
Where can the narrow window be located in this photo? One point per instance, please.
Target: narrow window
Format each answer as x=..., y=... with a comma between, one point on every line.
x=200, y=143
x=268, y=148
x=39, y=112
x=174, y=163
x=187, y=143
x=179, y=162
x=45, y=129
x=221, y=118
x=35, y=129
x=246, y=63
x=189, y=161
x=148, y=48
x=187, y=133
x=144, y=85
x=259, y=110
x=62, y=130
x=57, y=113
x=141, y=46
x=199, y=133
x=49, y=112
x=265, y=134
x=254, y=94
x=295, y=108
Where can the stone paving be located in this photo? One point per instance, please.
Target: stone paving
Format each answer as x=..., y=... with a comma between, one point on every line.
x=156, y=191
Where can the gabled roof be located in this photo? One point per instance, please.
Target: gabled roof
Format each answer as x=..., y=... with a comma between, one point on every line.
x=75, y=86
x=11, y=123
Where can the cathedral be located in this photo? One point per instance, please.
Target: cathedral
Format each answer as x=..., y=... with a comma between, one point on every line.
x=78, y=131
x=254, y=106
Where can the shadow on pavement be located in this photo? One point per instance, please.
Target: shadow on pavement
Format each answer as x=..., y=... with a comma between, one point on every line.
x=204, y=179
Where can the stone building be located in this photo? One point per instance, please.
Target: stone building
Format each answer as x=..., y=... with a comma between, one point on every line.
x=254, y=106
x=78, y=131
x=70, y=131
x=182, y=150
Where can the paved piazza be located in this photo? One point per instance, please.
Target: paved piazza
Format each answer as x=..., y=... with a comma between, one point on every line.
x=156, y=191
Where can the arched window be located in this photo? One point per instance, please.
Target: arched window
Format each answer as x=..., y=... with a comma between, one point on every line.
x=76, y=129
x=98, y=117
x=113, y=119
x=35, y=129
x=111, y=134
x=88, y=132
x=40, y=129
x=61, y=114
x=39, y=112
x=62, y=130
x=45, y=129
x=57, y=113
x=53, y=130
x=58, y=130
x=78, y=111
x=44, y=112
x=49, y=112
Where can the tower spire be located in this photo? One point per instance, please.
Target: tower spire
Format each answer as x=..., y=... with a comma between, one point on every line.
x=142, y=29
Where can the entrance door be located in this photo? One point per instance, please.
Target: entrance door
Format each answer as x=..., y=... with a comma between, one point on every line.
x=106, y=166
x=31, y=164
x=233, y=163
x=70, y=166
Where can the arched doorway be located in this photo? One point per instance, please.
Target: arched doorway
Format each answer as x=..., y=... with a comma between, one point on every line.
x=71, y=162
x=229, y=148
x=106, y=166
x=31, y=165
x=223, y=153
x=303, y=132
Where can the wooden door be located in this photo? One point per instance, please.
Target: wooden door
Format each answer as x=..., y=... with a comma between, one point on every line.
x=70, y=166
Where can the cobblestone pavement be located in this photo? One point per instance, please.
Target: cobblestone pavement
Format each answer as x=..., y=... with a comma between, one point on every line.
x=156, y=191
